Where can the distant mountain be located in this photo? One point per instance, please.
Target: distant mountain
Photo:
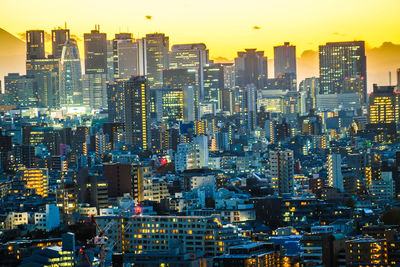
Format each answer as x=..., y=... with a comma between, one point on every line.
x=12, y=54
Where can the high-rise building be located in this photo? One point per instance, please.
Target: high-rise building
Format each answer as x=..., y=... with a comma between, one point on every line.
x=35, y=41
x=311, y=87
x=398, y=79
x=182, y=79
x=384, y=105
x=213, y=84
x=285, y=62
x=125, y=55
x=20, y=88
x=342, y=68
x=94, y=90
x=175, y=104
x=335, y=177
x=35, y=179
x=45, y=71
x=157, y=46
x=251, y=68
x=247, y=99
x=70, y=75
x=116, y=101
x=95, y=52
x=282, y=171
x=190, y=56
x=58, y=39
x=137, y=112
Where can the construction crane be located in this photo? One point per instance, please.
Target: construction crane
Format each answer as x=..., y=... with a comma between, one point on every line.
x=101, y=239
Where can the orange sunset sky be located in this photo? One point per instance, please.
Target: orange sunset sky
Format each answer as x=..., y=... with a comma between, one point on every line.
x=228, y=26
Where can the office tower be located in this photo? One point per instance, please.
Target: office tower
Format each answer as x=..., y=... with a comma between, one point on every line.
x=157, y=47
x=227, y=100
x=137, y=112
x=183, y=79
x=175, y=104
x=213, y=84
x=35, y=41
x=311, y=87
x=67, y=197
x=5, y=149
x=142, y=57
x=70, y=75
x=282, y=171
x=398, y=79
x=125, y=55
x=58, y=39
x=46, y=87
x=95, y=52
x=248, y=106
x=190, y=56
x=335, y=177
x=116, y=101
x=79, y=142
x=20, y=88
x=384, y=105
x=342, y=66
x=251, y=68
x=94, y=90
x=110, y=61
x=229, y=75
x=35, y=179
x=285, y=63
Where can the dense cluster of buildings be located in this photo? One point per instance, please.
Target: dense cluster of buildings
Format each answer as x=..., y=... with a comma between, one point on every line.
x=154, y=155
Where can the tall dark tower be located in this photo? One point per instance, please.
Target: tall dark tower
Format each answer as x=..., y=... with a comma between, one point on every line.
x=35, y=44
x=343, y=68
x=251, y=68
x=95, y=52
x=58, y=39
x=285, y=63
x=157, y=47
x=137, y=112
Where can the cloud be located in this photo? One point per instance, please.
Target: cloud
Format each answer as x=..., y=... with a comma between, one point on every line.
x=339, y=34
x=148, y=17
x=221, y=60
x=256, y=27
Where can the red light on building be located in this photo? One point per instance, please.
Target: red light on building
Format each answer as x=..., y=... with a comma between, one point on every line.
x=138, y=210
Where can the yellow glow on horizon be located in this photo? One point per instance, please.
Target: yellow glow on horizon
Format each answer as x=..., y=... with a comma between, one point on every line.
x=224, y=26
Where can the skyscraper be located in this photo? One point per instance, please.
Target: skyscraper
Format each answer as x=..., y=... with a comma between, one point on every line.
x=157, y=46
x=116, y=101
x=95, y=52
x=58, y=39
x=125, y=55
x=137, y=112
x=285, y=62
x=190, y=56
x=282, y=171
x=46, y=87
x=213, y=84
x=70, y=75
x=251, y=68
x=182, y=79
x=311, y=87
x=35, y=41
x=94, y=90
x=20, y=88
x=342, y=68
x=335, y=176
x=384, y=105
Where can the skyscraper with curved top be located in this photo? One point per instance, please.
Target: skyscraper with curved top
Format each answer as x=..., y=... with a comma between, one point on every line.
x=70, y=75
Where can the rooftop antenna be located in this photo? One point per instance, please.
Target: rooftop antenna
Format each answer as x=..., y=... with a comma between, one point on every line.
x=390, y=78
